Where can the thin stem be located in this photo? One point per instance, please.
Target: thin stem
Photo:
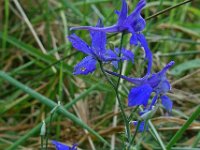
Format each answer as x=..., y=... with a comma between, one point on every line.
x=117, y=87
x=42, y=139
x=49, y=130
x=136, y=131
x=167, y=9
x=119, y=101
x=120, y=63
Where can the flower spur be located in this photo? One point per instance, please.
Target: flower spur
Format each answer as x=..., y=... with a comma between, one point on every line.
x=157, y=83
x=134, y=24
x=60, y=146
x=96, y=52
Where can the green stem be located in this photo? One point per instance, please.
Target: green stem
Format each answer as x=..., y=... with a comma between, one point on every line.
x=119, y=101
x=49, y=130
x=137, y=128
x=42, y=141
x=156, y=135
x=168, y=9
x=183, y=128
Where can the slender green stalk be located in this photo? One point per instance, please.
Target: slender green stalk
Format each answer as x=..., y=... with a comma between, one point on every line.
x=157, y=135
x=132, y=139
x=120, y=63
x=183, y=128
x=118, y=98
x=50, y=103
x=196, y=141
x=117, y=87
x=5, y=32
x=168, y=9
x=42, y=141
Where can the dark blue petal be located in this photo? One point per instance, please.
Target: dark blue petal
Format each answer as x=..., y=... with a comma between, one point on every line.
x=136, y=81
x=79, y=44
x=127, y=55
x=98, y=39
x=109, y=55
x=138, y=24
x=74, y=147
x=154, y=80
x=148, y=54
x=141, y=126
x=166, y=102
x=87, y=65
x=117, y=12
x=153, y=101
x=164, y=70
x=139, y=95
x=136, y=11
x=164, y=86
x=123, y=12
x=134, y=39
x=115, y=64
x=60, y=146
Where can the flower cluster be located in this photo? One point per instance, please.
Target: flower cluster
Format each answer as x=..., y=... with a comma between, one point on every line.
x=134, y=23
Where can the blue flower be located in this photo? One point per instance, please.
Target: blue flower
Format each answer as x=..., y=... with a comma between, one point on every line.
x=96, y=52
x=142, y=126
x=134, y=24
x=60, y=146
x=157, y=83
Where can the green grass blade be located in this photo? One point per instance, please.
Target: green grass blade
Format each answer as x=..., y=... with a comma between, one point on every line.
x=157, y=135
x=48, y=102
x=190, y=64
x=183, y=128
x=5, y=31
x=37, y=128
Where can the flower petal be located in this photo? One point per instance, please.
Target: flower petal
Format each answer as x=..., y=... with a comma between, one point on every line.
x=60, y=146
x=166, y=102
x=164, y=86
x=127, y=55
x=136, y=11
x=136, y=81
x=110, y=56
x=138, y=24
x=79, y=44
x=142, y=127
x=123, y=12
x=133, y=40
x=164, y=70
x=98, y=39
x=86, y=66
x=148, y=54
x=139, y=95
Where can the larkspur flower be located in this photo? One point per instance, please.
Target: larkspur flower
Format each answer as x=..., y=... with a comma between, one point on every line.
x=60, y=146
x=134, y=24
x=157, y=83
x=96, y=52
x=142, y=126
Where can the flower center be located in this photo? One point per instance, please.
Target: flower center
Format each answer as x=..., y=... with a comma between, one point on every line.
x=83, y=69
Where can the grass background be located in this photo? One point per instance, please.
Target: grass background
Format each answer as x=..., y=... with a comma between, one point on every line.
x=35, y=51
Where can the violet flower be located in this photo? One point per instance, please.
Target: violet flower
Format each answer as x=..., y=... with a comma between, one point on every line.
x=96, y=52
x=134, y=24
x=157, y=83
x=141, y=125
x=60, y=146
